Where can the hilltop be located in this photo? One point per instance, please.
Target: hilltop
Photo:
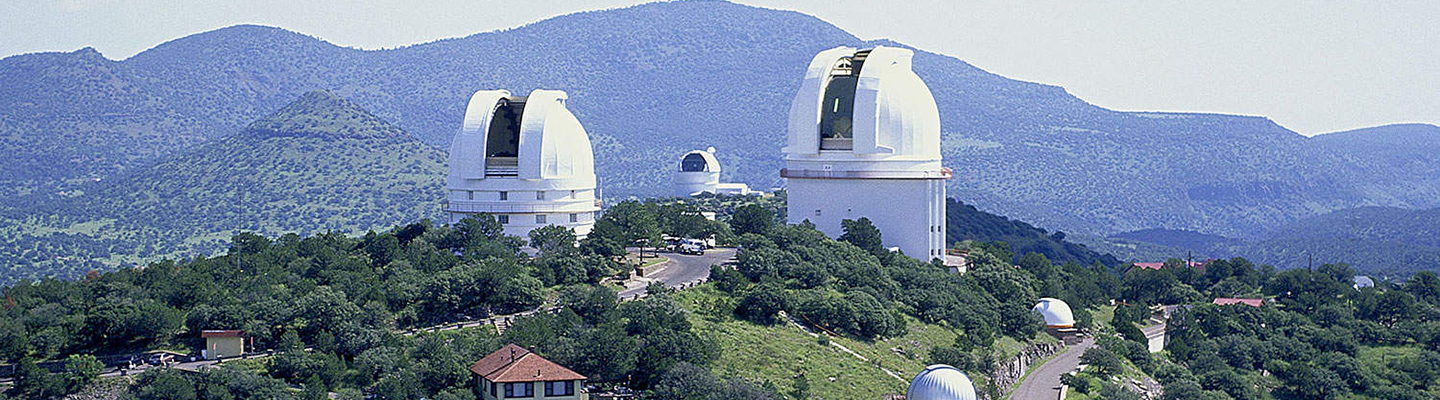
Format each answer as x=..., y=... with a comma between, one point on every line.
x=652, y=81
x=319, y=164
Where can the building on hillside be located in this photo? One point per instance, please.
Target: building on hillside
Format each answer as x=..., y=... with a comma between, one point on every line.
x=700, y=173
x=1224, y=301
x=941, y=382
x=514, y=372
x=864, y=141
x=1059, y=319
x=524, y=159
x=222, y=343
x=1198, y=265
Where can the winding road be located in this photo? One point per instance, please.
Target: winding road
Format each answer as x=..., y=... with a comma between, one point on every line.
x=680, y=269
x=1043, y=383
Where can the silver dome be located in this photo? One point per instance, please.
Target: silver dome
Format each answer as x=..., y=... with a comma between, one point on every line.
x=941, y=382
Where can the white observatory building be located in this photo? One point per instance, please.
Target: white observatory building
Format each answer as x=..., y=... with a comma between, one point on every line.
x=864, y=141
x=700, y=172
x=1056, y=313
x=941, y=382
x=524, y=159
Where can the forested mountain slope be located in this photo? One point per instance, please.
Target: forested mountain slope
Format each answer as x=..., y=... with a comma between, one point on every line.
x=652, y=81
x=321, y=163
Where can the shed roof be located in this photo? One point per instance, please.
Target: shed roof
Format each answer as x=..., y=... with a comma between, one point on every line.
x=516, y=364
x=221, y=333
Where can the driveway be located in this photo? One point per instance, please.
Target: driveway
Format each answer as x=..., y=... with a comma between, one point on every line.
x=680, y=269
x=1043, y=382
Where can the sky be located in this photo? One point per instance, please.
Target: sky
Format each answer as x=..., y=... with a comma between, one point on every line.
x=1312, y=66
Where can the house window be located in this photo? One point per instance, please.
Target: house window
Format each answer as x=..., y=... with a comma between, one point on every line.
x=504, y=219
x=561, y=388
x=492, y=389
x=540, y=219
x=523, y=389
x=574, y=218
x=504, y=196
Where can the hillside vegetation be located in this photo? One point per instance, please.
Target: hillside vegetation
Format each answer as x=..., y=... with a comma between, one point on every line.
x=320, y=164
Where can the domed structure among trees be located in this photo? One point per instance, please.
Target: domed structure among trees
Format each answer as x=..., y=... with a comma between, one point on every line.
x=524, y=159
x=941, y=382
x=1056, y=312
x=864, y=141
x=700, y=173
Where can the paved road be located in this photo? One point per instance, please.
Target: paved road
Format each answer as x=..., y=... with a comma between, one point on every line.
x=680, y=268
x=1043, y=383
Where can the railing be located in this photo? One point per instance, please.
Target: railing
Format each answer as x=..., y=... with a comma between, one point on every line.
x=580, y=206
x=943, y=173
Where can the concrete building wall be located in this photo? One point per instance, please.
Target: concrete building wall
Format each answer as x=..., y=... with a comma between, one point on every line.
x=904, y=210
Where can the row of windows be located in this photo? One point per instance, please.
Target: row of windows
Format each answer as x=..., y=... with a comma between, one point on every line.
x=539, y=195
x=539, y=218
x=527, y=389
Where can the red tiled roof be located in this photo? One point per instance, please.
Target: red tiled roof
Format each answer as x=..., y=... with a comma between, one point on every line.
x=230, y=333
x=1229, y=300
x=516, y=364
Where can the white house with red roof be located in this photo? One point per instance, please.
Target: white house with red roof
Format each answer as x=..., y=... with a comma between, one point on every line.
x=516, y=373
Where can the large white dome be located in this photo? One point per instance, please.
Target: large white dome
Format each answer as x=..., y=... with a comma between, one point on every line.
x=1057, y=314
x=941, y=382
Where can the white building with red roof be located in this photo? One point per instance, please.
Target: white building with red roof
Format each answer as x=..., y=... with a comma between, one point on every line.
x=516, y=373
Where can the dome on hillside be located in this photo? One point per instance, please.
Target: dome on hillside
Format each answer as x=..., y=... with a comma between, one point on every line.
x=1057, y=314
x=941, y=382
x=1362, y=281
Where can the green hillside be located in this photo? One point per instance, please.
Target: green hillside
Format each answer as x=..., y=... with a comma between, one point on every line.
x=321, y=163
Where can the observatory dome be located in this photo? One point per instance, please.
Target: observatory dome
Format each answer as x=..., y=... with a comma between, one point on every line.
x=526, y=160
x=864, y=141
x=941, y=382
x=1057, y=314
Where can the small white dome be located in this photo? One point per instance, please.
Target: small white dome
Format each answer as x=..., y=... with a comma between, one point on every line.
x=1362, y=281
x=941, y=382
x=1057, y=314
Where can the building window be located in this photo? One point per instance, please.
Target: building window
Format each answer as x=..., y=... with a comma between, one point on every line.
x=470, y=195
x=561, y=388
x=504, y=219
x=540, y=219
x=817, y=212
x=504, y=196
x=523, y=389
x=540, y=195
x=492, y=389
x=574, y=218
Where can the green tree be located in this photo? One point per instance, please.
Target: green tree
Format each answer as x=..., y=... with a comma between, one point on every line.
x=553, y=241
x=863, y=234
x=752, y=218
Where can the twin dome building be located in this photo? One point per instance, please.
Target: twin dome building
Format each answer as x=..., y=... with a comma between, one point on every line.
x=524, y=159
x=863, y=141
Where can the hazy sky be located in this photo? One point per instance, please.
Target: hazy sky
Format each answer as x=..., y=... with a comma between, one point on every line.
x=1313, y=66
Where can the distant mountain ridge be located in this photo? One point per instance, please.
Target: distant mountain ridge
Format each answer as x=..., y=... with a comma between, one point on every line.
x=653, y=81
x=321, y=163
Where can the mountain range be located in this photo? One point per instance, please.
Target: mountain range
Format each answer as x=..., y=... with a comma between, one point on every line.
x=652, y=81
x=320, y=163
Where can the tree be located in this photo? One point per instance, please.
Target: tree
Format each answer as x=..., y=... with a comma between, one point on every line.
x=762, y=304
x=862, y=234
x=553, y=241
x=632, y=223
x=1106, y=362
x=81, y=369
x=752, y=218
